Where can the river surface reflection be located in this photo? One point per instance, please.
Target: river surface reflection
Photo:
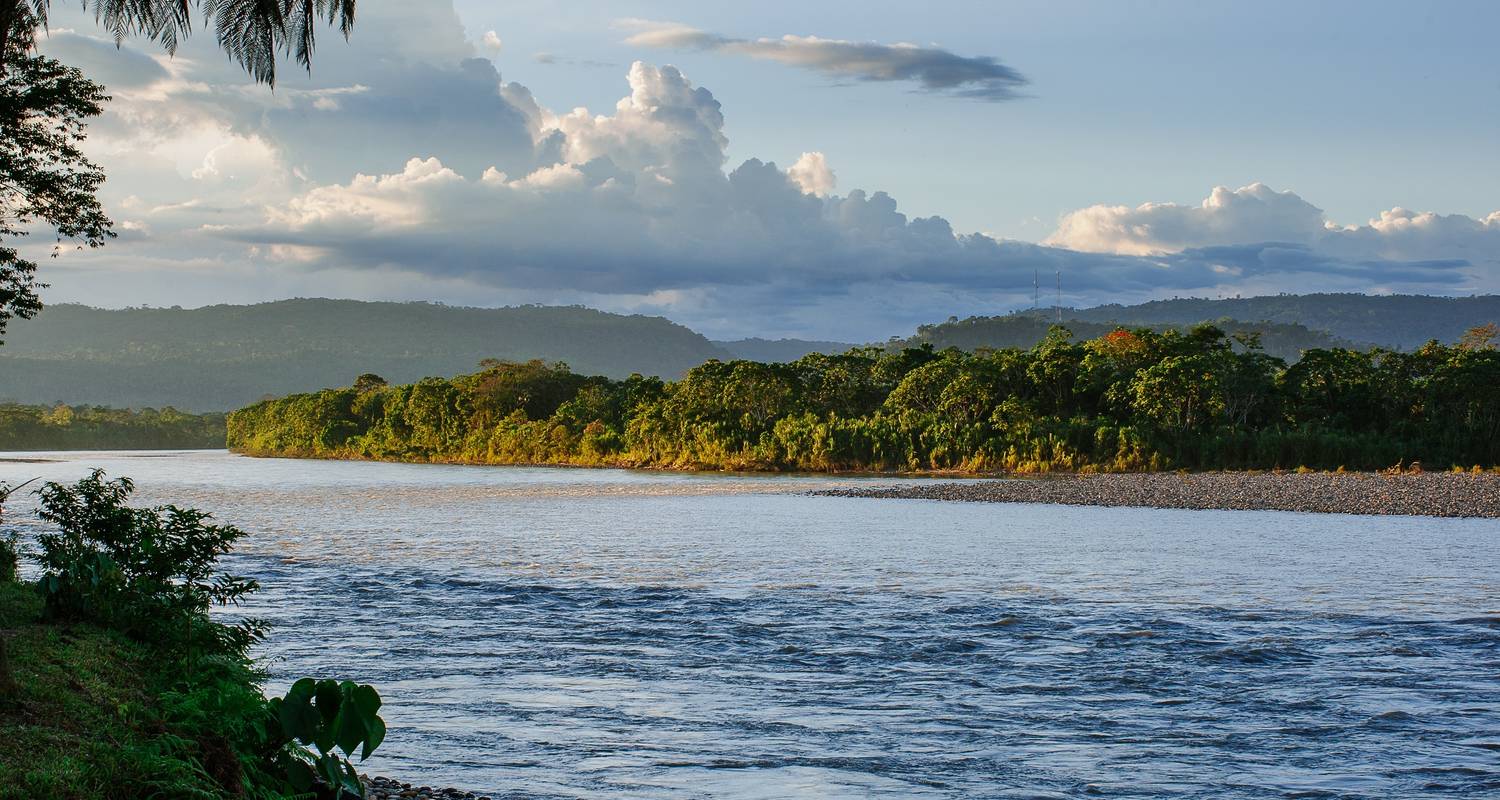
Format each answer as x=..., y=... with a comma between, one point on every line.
x=603, y=633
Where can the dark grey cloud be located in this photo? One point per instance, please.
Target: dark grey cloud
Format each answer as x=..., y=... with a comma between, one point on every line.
x=932, y=69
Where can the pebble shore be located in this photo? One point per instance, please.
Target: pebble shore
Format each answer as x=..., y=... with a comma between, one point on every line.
x=378, y=788
x=1431, y=494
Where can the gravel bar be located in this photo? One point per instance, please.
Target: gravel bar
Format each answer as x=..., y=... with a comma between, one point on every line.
x=1429, y=494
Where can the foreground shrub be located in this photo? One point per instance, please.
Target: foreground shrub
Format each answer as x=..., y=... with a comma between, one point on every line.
x=149, y=571
x=152, y=575
x=330, y=716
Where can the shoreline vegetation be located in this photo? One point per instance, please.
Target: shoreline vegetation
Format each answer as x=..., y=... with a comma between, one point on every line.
x=28, y=428
x=118, y=679
x=1428, y=494
x=1129, y=401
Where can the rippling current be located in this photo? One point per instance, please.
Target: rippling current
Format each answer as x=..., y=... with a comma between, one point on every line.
x=579, y=633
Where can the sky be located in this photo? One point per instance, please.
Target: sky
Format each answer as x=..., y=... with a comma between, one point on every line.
x=831, y=170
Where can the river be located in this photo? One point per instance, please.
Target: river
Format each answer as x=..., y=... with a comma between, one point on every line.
x=605, y=633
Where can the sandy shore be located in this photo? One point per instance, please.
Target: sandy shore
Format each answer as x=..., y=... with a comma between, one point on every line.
x=1433, y=494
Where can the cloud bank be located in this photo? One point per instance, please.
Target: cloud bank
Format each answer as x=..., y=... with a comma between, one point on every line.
x=932, y=69
x=406, y=168
x=1258, y=213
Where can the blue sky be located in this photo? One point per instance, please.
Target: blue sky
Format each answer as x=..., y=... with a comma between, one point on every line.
x=1359, y=105
x=833, y=169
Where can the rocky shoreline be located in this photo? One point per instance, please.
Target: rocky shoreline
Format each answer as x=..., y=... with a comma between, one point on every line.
x=381, y=788
x=1431, y=494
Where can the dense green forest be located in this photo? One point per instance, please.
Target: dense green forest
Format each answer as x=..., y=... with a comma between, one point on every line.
x=1022, y=330
x=1399, y=321
x=1128, y=400
x=92, y=428
x=222, y=357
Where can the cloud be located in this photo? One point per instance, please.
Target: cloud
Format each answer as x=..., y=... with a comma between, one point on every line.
x=811, y=173
x=492, y=42
x=98, y=56
x=1257, y=213
x=419, y=173
x=553, y=59
x=932, y=69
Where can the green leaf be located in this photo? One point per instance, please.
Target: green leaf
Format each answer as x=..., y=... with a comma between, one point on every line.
x=299, y=720
x=374, y=735
x=367, y=700
x=349, y=730
x=302, y=688
x=300, y=775
x=328, y=696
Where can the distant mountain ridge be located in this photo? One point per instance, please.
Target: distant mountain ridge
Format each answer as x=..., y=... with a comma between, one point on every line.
x=1397, y=321
x=780, y=350
x=226, y=356
x=223, y=357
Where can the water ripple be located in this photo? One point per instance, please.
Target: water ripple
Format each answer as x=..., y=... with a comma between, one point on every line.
x=565, y=634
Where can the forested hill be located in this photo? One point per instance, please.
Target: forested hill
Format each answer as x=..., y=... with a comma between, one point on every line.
x=781, y=350
x=222, y=357
x=1400, y=321
x=1022, y=330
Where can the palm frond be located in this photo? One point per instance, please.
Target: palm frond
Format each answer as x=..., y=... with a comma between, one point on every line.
x=254, y=33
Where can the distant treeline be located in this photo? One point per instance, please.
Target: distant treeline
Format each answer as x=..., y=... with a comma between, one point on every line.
x=93, y=428
x=1024, y=329
x=1400, y=321
x=1129, y=400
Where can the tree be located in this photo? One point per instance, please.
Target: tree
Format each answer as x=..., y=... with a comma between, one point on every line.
x=44, y=176
x=44, y=105
x=1482, y=337
x=369, y=382
x=253, y=32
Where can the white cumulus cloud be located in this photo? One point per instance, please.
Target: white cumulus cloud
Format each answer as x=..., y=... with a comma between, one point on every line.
x=1258, y=214
x=812, y=173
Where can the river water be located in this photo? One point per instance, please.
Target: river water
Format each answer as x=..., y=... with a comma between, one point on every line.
x=604, y=633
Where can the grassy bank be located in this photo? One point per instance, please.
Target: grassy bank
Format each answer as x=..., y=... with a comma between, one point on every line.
x=81, y=716
x=117, y=681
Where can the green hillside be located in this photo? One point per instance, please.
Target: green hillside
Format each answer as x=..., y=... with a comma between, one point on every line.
x=780, y=350
x=1399, y=321
x=222, y=357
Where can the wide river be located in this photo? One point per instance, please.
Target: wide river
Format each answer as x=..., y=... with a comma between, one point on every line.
x=603, y=633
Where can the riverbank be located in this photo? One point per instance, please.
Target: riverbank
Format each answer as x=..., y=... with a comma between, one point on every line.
x=1433, y=494
x=78, y=717
x=381, y=788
